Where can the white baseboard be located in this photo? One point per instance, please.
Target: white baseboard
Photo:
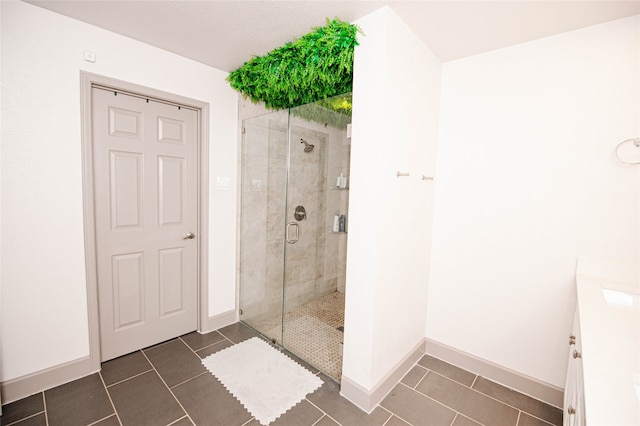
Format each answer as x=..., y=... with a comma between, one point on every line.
x=221, y=320
x=22, y=387
x=30, y=384
x=534, y=388
x=367, y=400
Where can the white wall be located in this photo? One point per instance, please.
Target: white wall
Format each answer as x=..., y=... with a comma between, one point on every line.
x=395, y=115
x=1, y=56
x=44, y=304
x=527, y=181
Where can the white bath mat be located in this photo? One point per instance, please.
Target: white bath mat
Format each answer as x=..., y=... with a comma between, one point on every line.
x=265, y=381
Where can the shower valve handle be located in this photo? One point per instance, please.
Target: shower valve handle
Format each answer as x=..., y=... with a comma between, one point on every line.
x=295, y=226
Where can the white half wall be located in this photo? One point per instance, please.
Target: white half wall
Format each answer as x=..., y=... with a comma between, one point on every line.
x=44, y=303
x=1, y=56
x=395, y=116
x=527, y=181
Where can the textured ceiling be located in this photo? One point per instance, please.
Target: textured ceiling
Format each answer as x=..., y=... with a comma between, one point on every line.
x=225, y=34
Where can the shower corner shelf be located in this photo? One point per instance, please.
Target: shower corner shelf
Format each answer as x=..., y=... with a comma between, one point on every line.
x=338, y=188
x=334, y=232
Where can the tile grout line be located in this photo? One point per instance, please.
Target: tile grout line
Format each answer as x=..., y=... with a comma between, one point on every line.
x=25, y=418
x=388, y=411
x=470, y=419
x=537, y=418
x=188, y=380
x=433, y=399
x=127, y=379
x=490, y=397
x=474, y=381
x=44, y=403
x=457, y=413
x=392, y=415
x=513, y=406
x=109, y=396
x=445, y=377
x=450, y=378
x=322, y=411
x=177, y=420
x=191, y=378
x=104, y=418
x=321, y=417
x=226, y=338
x=419, y=381
x=248, y=421
x=168, y=388
x=477, y=376
x=421, y=378
x=454, y=419
x=195, y=351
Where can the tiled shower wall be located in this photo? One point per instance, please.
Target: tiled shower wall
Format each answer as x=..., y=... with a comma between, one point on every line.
x=315, y=265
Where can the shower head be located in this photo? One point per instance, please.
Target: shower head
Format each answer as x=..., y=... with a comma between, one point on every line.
x=307, y=147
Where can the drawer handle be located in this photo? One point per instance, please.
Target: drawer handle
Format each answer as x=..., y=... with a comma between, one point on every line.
x=577, y=354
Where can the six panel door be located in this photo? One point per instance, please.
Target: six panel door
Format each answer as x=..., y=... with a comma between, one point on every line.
x=145, y=177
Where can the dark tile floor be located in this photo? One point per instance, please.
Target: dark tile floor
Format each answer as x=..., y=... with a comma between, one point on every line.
x=167, y=385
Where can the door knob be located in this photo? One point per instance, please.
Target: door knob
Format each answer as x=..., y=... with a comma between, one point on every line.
x=189, y=236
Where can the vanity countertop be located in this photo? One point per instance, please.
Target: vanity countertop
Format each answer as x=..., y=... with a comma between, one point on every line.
x=609, y=316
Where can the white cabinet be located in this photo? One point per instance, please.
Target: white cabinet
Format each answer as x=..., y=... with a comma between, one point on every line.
x=603, y=380
x=574, y=388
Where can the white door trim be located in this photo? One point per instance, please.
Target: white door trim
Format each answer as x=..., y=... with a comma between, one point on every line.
x=87, y=81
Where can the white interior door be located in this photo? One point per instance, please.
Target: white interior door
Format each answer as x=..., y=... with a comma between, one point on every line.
x=145, y=177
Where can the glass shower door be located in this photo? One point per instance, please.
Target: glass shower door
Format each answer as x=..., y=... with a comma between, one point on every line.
x=315, y=252
x=262, y=222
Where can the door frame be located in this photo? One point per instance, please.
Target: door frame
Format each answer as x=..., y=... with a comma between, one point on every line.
x=87, y=82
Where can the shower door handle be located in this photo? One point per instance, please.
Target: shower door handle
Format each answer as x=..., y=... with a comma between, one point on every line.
x=288, y=236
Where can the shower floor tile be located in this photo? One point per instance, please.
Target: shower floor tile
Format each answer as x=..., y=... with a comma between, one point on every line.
x=311, y=332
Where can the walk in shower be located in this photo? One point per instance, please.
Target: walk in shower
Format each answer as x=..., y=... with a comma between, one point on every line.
x=293, y=228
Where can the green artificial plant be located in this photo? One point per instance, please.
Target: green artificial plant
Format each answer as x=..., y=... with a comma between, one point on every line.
x=317, y=66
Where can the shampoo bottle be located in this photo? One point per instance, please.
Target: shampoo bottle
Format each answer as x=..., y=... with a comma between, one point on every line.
x=336, y=223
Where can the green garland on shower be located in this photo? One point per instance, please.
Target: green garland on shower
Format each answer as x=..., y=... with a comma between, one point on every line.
x=316, y=66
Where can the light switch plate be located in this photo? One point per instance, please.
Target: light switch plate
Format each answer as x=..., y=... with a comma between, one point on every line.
x=89, y=56
x=222, y=183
